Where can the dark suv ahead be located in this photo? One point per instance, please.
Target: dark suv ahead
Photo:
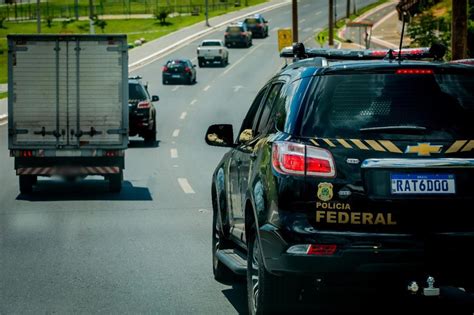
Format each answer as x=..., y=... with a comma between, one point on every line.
x=257, y=25
x=348, y=171
x=142, y=112
x=237, y=34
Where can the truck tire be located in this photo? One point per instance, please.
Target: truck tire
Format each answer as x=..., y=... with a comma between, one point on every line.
x=266, y=293
x=200, y=63
x=115, y=182
x=26, y=183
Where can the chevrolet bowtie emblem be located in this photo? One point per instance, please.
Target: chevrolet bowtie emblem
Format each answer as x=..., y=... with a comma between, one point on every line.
x=424, y=149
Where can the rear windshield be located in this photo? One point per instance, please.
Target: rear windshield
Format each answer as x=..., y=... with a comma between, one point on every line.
x=176, y=64
x=136, y=92
x=211, y=44
x=346, y=105
x=251, y=21
x=234, y=29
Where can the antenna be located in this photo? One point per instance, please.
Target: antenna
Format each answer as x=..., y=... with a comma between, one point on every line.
x=404, y=13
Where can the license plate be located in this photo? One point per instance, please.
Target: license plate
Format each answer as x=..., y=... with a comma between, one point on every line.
x=208, y=57
x=176, y=76
x=68, y=153
x=423, y=184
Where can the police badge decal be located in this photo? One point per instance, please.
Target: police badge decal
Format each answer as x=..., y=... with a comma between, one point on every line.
x=325, y=191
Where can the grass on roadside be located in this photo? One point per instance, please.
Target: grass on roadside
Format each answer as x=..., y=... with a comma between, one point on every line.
x=3, y=95
x=149, y=29
x=342, y=22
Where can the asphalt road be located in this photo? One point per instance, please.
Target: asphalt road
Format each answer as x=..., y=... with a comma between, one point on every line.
x=75, y=248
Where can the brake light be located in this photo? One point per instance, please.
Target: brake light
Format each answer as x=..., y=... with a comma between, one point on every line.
x=144, y=105
x=414, y=71
x=260, y=25
x=243, y=33
x=111, y=153
x=321, y=249
x=26, y=153
x=226, y=34
x=299, y=159
x=165, y=68
x=187, y=69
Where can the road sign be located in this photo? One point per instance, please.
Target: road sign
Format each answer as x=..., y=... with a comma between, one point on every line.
x=321, y=39
x=285, y=38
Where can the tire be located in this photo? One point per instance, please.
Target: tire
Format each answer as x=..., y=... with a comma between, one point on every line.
x=200, y=64
x=115, y=182
x=151, y=134
x=221, y=272
x=189, y=81
x=26, y=183
x=165, y=82
x=222, y=63
x=266, y=293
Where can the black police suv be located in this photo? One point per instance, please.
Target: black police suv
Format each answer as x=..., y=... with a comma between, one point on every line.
x=142, y=112
x=345, y=171
x=179, y=70
x=237, y=34
x=257, y=25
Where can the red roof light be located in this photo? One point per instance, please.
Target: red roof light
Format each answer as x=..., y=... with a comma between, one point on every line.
x=414, y=71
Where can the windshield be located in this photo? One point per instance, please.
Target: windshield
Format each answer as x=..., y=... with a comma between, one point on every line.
x=251, y=21
x=234, y=29
x=211, y=44
x=136, y=92
x=351, y=105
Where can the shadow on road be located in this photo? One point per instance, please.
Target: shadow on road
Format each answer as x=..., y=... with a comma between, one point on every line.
x=140, y=144
x=58, y=190
x=237, y=296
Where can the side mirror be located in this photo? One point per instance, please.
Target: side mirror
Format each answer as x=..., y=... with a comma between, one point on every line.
x=265, y=21
x=155, y=98
x=220, y=135
x=146, y=86
x=194, y=66
x=246, y=135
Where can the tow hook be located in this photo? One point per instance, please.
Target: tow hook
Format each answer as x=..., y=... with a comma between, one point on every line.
x=413, y=288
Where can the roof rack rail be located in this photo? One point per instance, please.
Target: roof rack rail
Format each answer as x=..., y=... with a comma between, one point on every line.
x=298, y=52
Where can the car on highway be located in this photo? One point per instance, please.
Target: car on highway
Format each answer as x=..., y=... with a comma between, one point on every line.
x=346, y=172
x=237, y=34
x=257, y=25
x=179, y=70
x=142, y=112
x=210, y=51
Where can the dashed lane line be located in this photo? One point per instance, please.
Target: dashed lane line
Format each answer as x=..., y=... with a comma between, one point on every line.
x=318, y=13
x=307, y=29
x=176, y=88
x=176, y=133
x=240, y=60
x=302, y=20
x=183, y=182
x=193, y=102
x=206, y=88
x=183, y=115
x=174, y=153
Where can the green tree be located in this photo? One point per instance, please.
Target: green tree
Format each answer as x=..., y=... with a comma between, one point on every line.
x=161, y=15
x=426, y=30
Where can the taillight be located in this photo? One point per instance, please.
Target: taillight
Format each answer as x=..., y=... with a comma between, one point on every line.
x=260, y=25
x=144, y=105
x=26, y=153
x=414, y=71
x=165, y=68
x=299, y=159
x=243, y=33
x=226, y=34
x=321, y=249
x=187, y=69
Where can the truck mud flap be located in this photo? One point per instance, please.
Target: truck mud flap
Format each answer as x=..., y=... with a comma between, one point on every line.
x=68, y=171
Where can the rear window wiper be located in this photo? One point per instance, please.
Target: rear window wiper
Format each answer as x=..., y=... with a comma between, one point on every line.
x=395, y=129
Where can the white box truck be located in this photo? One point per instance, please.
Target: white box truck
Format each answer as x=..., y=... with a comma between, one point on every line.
x=68, y=106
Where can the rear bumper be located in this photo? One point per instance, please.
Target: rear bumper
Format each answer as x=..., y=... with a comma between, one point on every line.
x=234, y=41
x=210, y=58
x=444, y=256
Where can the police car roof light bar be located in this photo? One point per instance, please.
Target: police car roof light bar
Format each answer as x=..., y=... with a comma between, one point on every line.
x=137, y=77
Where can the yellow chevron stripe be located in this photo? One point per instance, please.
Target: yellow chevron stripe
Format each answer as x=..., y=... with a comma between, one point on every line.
x=314, y=142
x=469, y=146
x=375, y=145
x=329, y=142
x=359, y=144
x=390, y=146
x=456, y=146
x=344, y=143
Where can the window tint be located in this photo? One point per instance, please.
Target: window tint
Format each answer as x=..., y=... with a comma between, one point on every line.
x=234, y=29
x=251, y=117
x=136, y=92
x=252, y=21
x=341, y=105
x=176, y=64
x=216, y=43
x=283, y=106
x=267, y=108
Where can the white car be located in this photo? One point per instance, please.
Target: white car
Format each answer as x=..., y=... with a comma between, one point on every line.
x=212, y=50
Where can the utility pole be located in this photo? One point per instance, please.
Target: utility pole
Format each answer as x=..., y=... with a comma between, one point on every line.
x=459, y=30
x=38, y=16
x=207, y=13
x=331, y=23
x=348, y=9
x=91, y=17
x=294, y=19
x=76, y=9
x=355, y=9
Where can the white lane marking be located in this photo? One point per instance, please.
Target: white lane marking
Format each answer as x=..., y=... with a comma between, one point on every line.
x=318, y=13
x=176, y=133
x=175, y=88
x=303, y=20
x=175, y=165
x=307, y=29
x=183, y=182
x=240, y=60
x=274, y=29
x=3, y=123
x=317, y=30
x=183, y=115
x=174, y=153
x=237, y=88
x=193, y=102
x=305, y=5
x=206, y=88
x=379, y=22
x=173, y=142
